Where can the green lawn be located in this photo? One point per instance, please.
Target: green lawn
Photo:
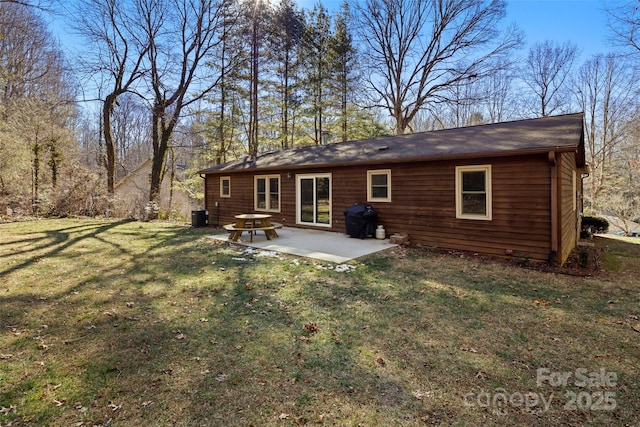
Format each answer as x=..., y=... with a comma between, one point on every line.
x=153, y=324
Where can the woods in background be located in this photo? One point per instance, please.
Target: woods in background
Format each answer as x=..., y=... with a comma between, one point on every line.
x=189, y=84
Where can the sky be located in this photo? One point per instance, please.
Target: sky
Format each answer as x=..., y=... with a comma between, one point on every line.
x=583, y=22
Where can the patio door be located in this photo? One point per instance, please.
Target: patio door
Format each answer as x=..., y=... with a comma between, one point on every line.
x=314, y=200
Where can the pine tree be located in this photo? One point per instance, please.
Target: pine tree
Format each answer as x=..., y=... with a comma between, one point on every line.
x=318, y=73
x=344, y=67
x=286, y=39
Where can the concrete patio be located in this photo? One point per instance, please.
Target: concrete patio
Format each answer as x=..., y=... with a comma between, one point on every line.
x=321, y=245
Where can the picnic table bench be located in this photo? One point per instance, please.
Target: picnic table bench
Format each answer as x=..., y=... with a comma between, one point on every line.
x=252, y=223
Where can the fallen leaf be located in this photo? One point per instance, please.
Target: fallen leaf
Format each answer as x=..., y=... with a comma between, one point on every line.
x=180, y=336
x=380, y=361
x=59, y=402
x=419, y=394
x=6, y=356
x=283, y=416
x=222, y=377
x=481, y=375
x=311, y=327
x=5, y=411
x=115, y=407
x=541, y=302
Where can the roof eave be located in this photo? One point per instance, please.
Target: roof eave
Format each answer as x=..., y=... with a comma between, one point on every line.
x=444, y=157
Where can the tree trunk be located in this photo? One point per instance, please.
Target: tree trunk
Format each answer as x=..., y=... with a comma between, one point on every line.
x=35, y=201
x=110, y=161
x=157, y=163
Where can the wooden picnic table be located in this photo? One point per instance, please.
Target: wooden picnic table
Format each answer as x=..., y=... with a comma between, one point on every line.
x=252, y=223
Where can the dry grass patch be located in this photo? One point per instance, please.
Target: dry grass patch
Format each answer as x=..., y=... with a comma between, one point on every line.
x=126, y=323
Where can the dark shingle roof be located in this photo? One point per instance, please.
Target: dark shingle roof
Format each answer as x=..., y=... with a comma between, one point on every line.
x=560, y=133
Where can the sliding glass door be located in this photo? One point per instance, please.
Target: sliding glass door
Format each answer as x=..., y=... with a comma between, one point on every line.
x=314, y=200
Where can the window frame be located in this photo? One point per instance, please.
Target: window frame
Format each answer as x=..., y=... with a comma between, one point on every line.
x=267, y=179
x=222, y=179
x=460, y=170
x=370, y=174
x=314, y=176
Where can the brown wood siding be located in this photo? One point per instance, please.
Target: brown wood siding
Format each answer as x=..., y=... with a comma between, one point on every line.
x=567, y=213
x=423, y=203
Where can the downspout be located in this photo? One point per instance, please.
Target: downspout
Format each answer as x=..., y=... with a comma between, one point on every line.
x=554, y=208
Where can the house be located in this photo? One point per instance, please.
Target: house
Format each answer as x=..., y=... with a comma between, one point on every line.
x=504, y=188
x=131, y=194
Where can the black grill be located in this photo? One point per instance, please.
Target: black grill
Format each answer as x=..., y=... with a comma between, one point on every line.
x=360, y=220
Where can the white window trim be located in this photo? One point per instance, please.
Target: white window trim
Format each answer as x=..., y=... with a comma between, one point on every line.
x=222, y=178
x=370, y=197
x=267, y=191
x=487, y=183
x=299, y=178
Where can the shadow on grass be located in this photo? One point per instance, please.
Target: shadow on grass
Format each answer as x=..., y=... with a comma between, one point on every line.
x=80, y=309
x=51, y=242
x=155, y=325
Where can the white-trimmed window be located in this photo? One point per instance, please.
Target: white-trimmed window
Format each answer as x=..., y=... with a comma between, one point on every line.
x=379, y=185
x=473, y=192
x=225, y=186
x=267, y=193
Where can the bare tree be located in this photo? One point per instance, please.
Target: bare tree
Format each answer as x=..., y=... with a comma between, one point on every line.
x=624, y=23
x=36, y=4
x=547, y=73
x=623, y=206
x=606, y=88
x=132, y=131
x=497, y=91
x=181, y=34
x=115, y=56
x=417, y=49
